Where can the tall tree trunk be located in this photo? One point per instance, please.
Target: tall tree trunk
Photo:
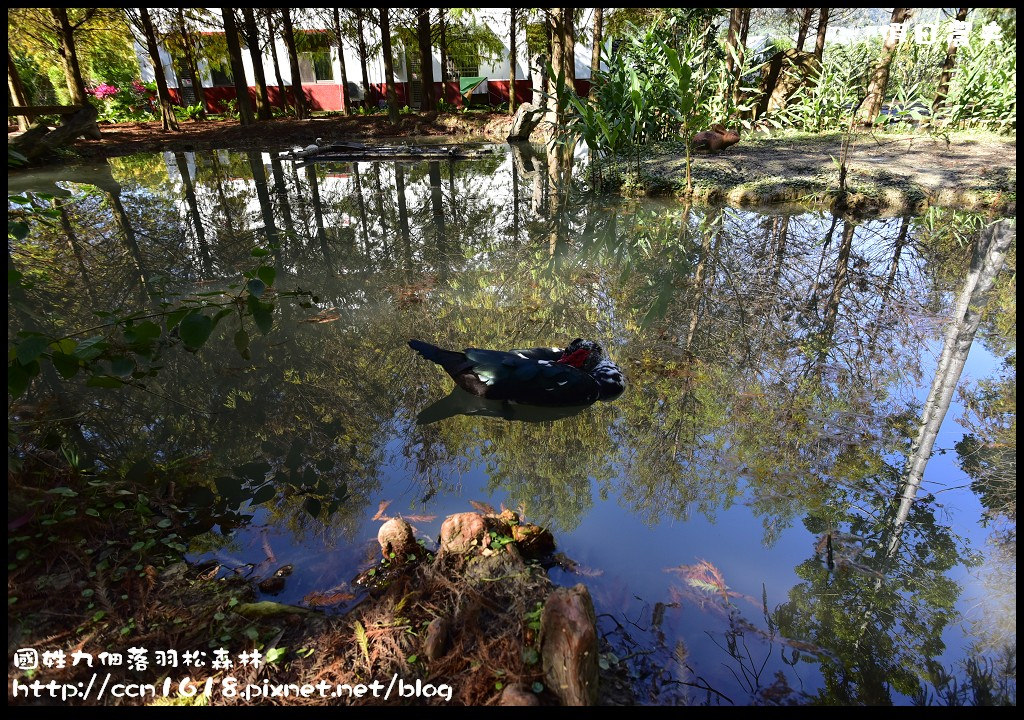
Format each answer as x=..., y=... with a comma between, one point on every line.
x=569, y=47
x=741, y=51
x=389, y=65
x=277, y=65
x=368, y=95
x=301, y=109
x=426, y=59
x=346, y=101
x=237, y=68
x=805, y=26
x=167, y=119
x=442, y=46
x=361, y=204
x=947, y=69
x=69, y=56
x=188, y=46
x=512, y=61
x=989, y=254
x=731, y=41
x=819, y=42
x=259, y=177
x=556, y=27
x=252, y=39
x=17, y=90
x=595, y=56
x=281, y=189
x=872, y=103
x=403, y=214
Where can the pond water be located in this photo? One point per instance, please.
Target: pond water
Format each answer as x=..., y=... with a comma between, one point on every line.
x=732, y=513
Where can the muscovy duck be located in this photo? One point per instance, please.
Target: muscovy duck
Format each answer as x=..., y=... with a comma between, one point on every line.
x=578, y=374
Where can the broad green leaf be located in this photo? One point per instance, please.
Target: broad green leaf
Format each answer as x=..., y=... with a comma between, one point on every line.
x=195, y=329
x=31, y=347
x=65, y=364
x=17, y=380
x=267, y=274
x=256, y=287
x=264, y=494
x=122, y=366
x=264, y=317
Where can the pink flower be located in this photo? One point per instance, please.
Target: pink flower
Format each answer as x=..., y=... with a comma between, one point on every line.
x=138, y=87
x=104, y=90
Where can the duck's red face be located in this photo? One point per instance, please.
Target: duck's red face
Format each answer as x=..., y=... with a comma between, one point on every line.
x=576, y=358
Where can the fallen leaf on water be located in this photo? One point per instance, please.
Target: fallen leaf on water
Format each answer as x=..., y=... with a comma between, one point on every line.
x=319, y=599
x=380, y=511
x=420, y=518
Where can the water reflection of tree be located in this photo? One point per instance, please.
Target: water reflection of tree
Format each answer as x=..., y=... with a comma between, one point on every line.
x=764, y=354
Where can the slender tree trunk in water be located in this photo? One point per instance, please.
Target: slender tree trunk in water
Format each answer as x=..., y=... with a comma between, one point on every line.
x=301, y=108
x=942, y=89
x=546, y=79
x=403, y=214
x=516, y=154
x=281, y=90
x=595, y=56
x=989, y=253
x=437, y=202
x=890, y=280
x=17, y=90
x=252, y=39
x=346, y=101
x=819, y=42
x=318, y=212
x=167, y=119
x=805, y=25
x=389, y=62
x=840, y=279
x=698, y=282
x=368, y=95
x=237, y=67
x=76, y=249
x=362, y=207
x=512, y=61
x=193, y=209
x=69, y=56
x=218, y=175
x=188, y=44
x=131, y=242
x=780, y=251
x=872, y=103
x=281, y=190
x=259, y=176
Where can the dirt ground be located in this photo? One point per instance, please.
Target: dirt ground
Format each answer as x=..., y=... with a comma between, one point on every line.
x=887, y=171
x=128, y=138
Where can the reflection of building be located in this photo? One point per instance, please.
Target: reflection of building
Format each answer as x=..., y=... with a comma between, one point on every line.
x=477, y=48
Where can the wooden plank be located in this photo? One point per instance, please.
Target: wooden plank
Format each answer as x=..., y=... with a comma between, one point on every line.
x=36, y=110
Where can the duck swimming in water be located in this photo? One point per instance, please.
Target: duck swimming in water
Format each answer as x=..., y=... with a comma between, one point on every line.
x=578, y=374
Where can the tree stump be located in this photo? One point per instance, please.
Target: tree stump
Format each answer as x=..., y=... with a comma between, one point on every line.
x=568, y=645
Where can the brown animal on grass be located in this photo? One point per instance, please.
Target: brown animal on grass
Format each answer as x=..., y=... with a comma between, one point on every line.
x=717, y=138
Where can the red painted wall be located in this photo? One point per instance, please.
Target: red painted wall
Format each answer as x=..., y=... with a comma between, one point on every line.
x=327, y=96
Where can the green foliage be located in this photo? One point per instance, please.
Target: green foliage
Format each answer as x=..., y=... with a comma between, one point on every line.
x=127, y=349
x=192, y=112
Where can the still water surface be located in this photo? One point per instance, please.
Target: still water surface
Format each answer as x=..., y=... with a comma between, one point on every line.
x=730, y=513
